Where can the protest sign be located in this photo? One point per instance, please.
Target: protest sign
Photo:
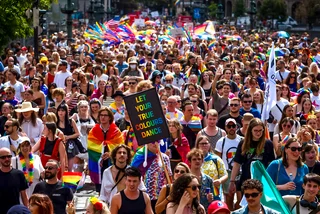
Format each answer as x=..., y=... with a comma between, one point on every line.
x=139, y=22
x=146, y=116
x=154, y=14
x=177, y=33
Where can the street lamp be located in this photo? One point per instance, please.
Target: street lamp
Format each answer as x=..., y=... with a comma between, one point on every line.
x=69, y=9
x=252, y=12
x=220, y=12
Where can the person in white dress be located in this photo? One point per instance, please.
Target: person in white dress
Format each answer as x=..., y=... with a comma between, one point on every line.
x=29, y=163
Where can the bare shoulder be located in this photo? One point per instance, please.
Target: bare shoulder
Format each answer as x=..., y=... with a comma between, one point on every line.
x=146, y=197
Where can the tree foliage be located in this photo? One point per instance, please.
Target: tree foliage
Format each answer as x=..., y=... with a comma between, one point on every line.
x=273, y=9
x=308, y=11
x=213, y=9
x=239, y=8
x=13, y=19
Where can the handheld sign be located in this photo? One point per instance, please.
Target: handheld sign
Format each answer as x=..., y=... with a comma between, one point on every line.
x=146, y=115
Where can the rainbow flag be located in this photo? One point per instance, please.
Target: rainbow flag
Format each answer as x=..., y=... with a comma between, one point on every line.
x=199, y=30
x=88, y=46
x=138, y=159
x=216, y=191
x=96, y=144
x=176, y=2
x=284, y=141
x=212, y=44
x=70, y=179
x=210, y=28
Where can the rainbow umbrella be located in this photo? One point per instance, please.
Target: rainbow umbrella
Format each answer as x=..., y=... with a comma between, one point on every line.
x=281, y=34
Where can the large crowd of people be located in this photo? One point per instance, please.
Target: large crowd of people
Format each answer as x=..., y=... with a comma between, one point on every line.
x=66, y=113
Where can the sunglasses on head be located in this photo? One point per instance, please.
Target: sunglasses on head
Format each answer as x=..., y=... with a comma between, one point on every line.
x=252, y=195
x=5, y=156
x=194, y=187
x=292, y=148
x=179, y=171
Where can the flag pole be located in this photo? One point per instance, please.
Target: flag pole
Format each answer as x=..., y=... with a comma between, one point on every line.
x=163, y=165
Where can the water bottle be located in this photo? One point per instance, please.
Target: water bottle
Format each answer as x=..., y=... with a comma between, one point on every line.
x=291, y=179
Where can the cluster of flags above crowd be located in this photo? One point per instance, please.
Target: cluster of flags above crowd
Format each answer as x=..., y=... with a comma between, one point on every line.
x=115, y=32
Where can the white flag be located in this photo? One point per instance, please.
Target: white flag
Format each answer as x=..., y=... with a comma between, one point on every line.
x=270, y=97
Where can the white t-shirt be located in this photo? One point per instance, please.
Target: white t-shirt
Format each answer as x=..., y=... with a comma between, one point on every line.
x=177, y=114
x=282, y=76
x=60, y=77
x=5, y=142
x=14, y=67
x=21, y=59
x=229, y=150
x=18, y=86
x=315, y=101
x=96, y=79
x=277, y=114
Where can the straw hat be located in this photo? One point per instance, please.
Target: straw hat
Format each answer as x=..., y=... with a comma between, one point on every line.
x=26, y=106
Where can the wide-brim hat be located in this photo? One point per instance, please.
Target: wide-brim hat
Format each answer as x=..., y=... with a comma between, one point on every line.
x=118, y=94
x=26, y=106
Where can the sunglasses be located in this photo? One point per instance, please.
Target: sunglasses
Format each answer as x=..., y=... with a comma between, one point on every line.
x=179, y=101
x=104, y=115
x=6, y=156
x=193, y=101
x=292, y=148
x=286, y=126
x=247, y=101
x=292, y=77
x=231, y=126
x=252, y=195
x=6, y=126
x=8, y=92
x=234, y=105
x=179, y=171
x=132, y=83
x=194, y=187
x=49, y=167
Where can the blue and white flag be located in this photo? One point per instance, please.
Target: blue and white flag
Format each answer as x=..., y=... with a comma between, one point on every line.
x=270, y=96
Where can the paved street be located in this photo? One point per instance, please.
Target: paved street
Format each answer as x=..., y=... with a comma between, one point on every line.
x=82, y=197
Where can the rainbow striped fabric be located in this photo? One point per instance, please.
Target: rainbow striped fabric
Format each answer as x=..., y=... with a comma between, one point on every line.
x=71, y=179
x=194, y=124
x=96, y=144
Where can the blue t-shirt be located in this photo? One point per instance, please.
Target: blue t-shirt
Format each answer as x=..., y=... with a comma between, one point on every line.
x=253, y=111
x=284, y=178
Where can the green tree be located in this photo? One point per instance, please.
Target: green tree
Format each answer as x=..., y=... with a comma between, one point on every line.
x=14, y=23
x=213, y=9
x=308, y=11
x=239, y=8
x=273, y=9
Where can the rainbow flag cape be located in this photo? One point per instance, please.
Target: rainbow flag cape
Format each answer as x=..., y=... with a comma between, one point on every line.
x=96, y=144
x=138, y=159
x=70, y=179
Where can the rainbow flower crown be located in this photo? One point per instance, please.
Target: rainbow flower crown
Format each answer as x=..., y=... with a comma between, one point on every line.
x=96, y=203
